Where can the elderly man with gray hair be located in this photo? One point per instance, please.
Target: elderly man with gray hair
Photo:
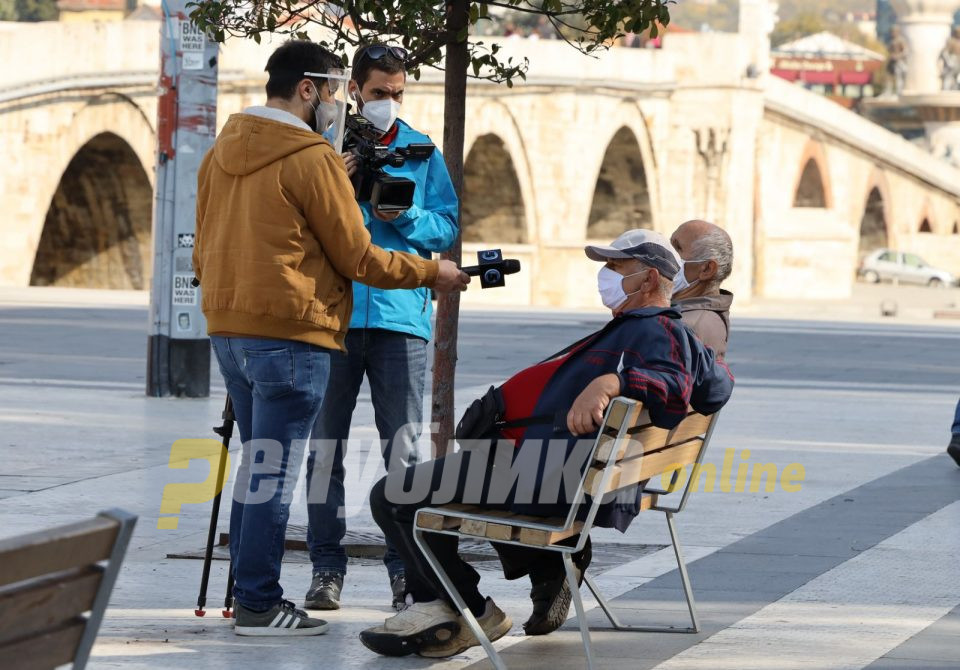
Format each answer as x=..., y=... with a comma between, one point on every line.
x=706, y=253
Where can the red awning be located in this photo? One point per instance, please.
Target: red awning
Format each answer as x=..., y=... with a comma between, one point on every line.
x=820, y=77
x=860, y=78
x=789, y=75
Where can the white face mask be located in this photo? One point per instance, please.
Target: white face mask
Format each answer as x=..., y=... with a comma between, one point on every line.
x=680, y=282
x=324, y=114
x=610, y=285
x=381, y=113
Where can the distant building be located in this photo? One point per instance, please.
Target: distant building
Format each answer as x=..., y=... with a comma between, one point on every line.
x=866, y=22
x=95, y=10
x=145, y=13
x=829, y=65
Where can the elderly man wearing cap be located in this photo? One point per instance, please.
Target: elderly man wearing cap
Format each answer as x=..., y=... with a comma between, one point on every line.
x=644, y=353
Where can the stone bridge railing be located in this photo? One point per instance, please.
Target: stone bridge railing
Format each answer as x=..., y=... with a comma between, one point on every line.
x=817, y=112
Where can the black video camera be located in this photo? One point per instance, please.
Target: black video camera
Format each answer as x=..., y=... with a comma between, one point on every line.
x=370, y=182
x=493, y=268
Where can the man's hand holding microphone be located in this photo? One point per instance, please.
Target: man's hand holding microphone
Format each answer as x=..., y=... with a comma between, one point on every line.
x=451, y=278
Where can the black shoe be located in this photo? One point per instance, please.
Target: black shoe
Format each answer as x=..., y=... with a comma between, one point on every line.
x=551, y=597
x=324, y=593
x=398, y=584
x=954, y=448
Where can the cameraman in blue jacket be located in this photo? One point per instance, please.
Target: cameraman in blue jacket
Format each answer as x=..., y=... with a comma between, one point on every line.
x=389, y=330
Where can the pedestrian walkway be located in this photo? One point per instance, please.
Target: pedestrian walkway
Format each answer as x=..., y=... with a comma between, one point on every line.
x=857, y=569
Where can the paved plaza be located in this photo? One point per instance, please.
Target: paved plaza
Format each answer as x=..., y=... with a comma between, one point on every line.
x=856, y=569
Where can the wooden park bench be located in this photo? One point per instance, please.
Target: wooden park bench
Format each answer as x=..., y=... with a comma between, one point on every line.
x=54, y=588
x=628, y=451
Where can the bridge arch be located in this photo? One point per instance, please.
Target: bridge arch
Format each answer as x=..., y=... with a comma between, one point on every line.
x=621, y=195
x=624, y=193
x=812, y=186
x=66, y=226
x=927, y=222
x=874, y=228
x=96, y=232
x=498, y=195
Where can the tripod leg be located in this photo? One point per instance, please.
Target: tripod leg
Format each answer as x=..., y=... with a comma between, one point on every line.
x=225, y=432
x=228, y=598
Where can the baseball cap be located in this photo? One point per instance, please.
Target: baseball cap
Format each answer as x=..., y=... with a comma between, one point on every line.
x=647, y=246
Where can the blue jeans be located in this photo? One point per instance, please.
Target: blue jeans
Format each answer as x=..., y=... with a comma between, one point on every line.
x=276, y=387
x=956, y=420
x=395, y=365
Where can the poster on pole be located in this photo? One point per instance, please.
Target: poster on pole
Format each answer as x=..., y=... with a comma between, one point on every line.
x=192, y=44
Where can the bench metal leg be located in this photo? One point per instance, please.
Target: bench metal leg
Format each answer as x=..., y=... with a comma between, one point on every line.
x=458, y=600
x=578, y=605
x=687, y=590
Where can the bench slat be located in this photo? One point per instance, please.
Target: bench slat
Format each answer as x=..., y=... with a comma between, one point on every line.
x=618, y=414
x=651, y=438
x=498, y=525
x=47, y=650
x=435, y=521
x=40, y=605
x=502, y=528
x=542, y=538
x=57, y=549
x=633, y=471
x=473, y=527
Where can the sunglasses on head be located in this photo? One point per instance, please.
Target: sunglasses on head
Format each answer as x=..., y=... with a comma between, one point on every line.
x=379, y=51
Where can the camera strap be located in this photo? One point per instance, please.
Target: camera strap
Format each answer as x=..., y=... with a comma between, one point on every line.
x=537, y=420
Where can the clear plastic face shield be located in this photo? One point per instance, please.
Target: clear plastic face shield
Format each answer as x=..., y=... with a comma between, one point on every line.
x=336, y=79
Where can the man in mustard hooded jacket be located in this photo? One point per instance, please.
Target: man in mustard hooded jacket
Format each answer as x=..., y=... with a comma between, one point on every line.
x=279, y=239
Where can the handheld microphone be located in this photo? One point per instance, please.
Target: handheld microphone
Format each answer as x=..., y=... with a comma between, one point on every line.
x=492, y=268
x=510, y=266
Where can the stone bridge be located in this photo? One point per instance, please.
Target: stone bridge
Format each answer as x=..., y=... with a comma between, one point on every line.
x=582, y=150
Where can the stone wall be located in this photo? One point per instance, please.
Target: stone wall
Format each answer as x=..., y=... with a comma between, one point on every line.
x=583, y=149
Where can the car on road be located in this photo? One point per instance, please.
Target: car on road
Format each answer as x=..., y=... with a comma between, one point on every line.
x=907, y=268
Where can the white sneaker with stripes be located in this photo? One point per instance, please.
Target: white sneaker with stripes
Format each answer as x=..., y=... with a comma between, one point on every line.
x=282, y=619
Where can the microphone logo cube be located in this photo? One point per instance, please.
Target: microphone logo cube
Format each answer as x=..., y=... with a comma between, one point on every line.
x=491, y=268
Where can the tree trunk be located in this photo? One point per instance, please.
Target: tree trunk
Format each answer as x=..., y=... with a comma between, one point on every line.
x=448, y=304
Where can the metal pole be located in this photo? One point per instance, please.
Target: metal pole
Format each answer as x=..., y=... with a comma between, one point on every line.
x=178, y=361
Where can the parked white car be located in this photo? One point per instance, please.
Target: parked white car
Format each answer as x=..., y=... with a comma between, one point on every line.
x=889, y=265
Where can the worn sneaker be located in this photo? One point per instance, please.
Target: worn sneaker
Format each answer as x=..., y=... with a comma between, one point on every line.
x=551, y=598
x=417, y=626
x=280, y=620
x=494, y=623
x=398, y=584
x=324, y=592
x=954, y=448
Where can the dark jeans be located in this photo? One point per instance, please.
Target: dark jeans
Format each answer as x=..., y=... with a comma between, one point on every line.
x=276, y=387
x=395, y=364
x=395, y=499
x=956, y=420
